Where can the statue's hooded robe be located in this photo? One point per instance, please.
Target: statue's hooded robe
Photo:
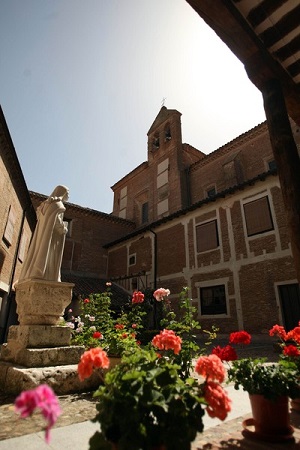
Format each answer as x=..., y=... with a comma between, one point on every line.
x=44, y=257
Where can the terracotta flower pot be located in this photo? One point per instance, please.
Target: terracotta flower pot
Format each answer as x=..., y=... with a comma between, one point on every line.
x=295, y=404
x=271, y=419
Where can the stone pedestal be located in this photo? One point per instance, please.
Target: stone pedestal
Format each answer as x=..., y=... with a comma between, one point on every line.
x=42, y=302
x=38, y=350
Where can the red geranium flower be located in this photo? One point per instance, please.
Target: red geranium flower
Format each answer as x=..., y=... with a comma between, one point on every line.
x=240, y=337
x=293, y=335
x=119, y=326
x=137, y=297
x=278, y=330
x=86, y=300
x=97, y=335
x=226, y=353
x=291, y=350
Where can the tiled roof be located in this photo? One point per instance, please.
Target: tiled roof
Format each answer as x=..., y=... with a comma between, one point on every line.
x=84, y=286
x=85, y=210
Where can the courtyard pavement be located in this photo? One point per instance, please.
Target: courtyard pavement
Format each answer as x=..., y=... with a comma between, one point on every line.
x=217, y=435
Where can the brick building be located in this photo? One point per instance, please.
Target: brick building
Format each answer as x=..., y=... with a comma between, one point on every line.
x=214, y=223
x=17, y=221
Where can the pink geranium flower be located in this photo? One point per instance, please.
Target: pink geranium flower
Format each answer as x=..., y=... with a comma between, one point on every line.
x=42, y=398
x=161, y=293
x=90, y=360
x=167, y=340
x=210, y=367
x=219, y=404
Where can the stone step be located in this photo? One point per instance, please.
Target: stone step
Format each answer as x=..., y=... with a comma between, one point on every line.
x=42, y=357
x=62, y=379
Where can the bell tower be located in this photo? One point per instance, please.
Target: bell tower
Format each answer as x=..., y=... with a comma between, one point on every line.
x=165, y=159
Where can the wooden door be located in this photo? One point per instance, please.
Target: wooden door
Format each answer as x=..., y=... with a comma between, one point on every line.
x=290, y=304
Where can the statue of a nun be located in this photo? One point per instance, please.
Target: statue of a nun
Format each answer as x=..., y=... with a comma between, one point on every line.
x=44, y=257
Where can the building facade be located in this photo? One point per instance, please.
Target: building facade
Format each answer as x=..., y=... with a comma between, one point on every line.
x=215, y=223
x=17, y=222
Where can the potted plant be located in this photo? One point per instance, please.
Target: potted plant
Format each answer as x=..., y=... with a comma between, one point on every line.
x=144, y=403
x=289, y=344
x=269, y=386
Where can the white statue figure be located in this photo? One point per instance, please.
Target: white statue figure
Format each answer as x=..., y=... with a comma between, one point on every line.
x=44, y=257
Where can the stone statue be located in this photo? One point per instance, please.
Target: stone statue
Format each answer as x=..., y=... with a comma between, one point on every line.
x=44, y=257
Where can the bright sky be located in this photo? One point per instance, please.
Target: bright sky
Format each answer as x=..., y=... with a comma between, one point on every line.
x=81, y=82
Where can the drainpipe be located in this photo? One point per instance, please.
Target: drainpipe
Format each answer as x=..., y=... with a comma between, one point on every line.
x=155, y=260
x=155, y=279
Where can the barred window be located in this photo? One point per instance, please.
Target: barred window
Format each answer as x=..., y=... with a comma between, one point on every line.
x=213, y=300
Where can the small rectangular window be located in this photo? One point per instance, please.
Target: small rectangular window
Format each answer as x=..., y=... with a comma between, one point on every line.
x=272, y=165
x=145, y=212
x=207, y=236
x=23, y=245
x=10, y=225
x=211, y=192
x=213, y=300
x=258, y=216
x=132, y=260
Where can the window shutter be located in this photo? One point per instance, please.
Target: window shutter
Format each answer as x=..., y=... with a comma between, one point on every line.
x=10, y=225
x=207, y=236
x=258, y=216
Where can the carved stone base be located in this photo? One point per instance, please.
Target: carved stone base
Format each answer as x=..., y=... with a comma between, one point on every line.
x=42, y=302
x=62, y=379
x=40, y=345
x=35, y=336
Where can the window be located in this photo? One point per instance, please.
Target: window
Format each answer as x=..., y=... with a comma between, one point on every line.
x=272, y=165
x=155, y=144
x=132, y=260
x=213, y=300
x=23, y=245
x=207, y=236
x=145, y=212
x=10, y=225
x=258, y=216
x=211, y=192
x=168, y=134
x=134, y=284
